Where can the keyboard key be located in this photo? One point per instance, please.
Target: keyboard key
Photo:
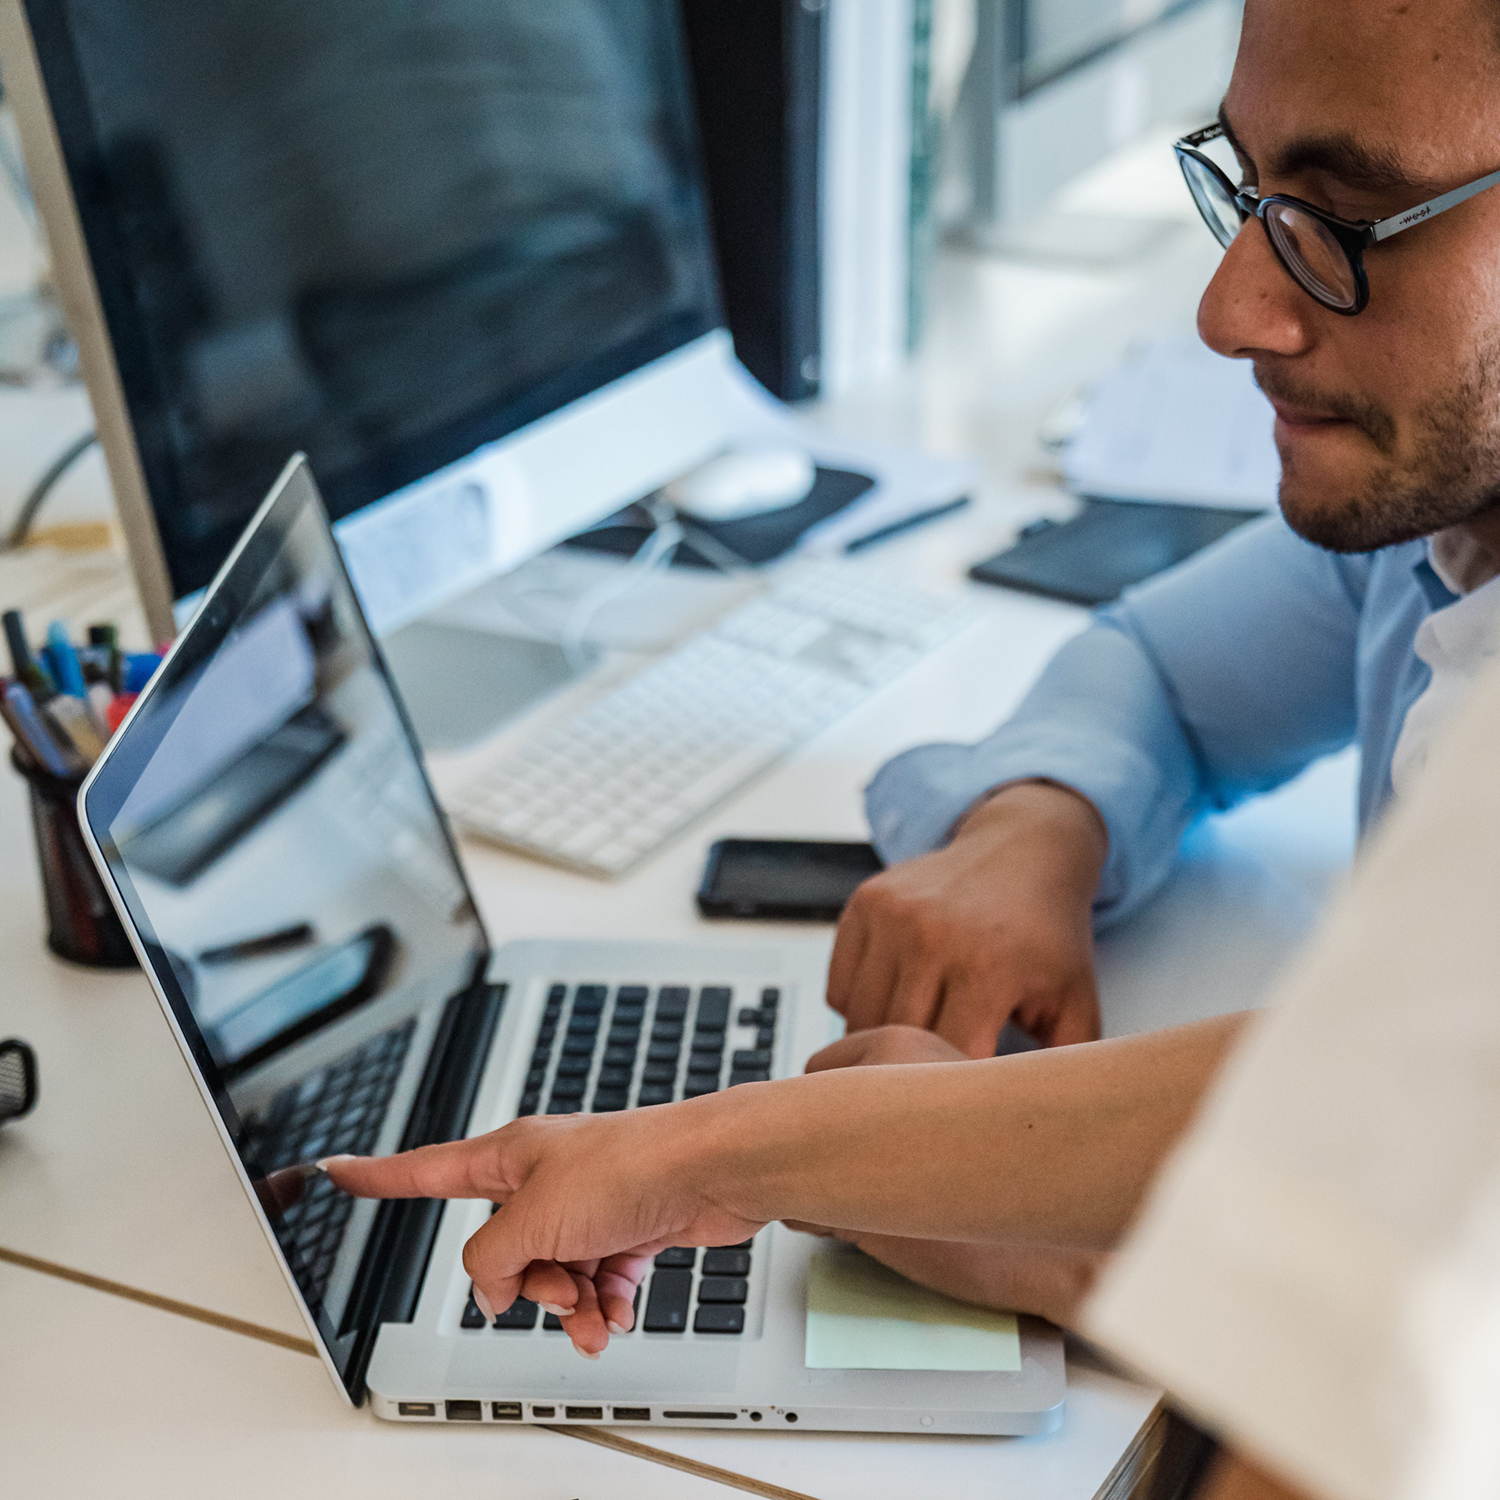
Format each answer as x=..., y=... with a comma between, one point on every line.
x=631, y=994
x=667, y=1303
x=713, y=1006
x=552, y=1323
x=520, y=1314
x=624, y=1036
x=705, y=1062
x=529, y=1101
x=672, y=1003
x=749, y=1016
x=748, y=1075
x=472, y=1317
x=557, y=994
x=568, y=1088
x=619, y=1057
x=719, y=1318
x=583, y=1026
x=677, y=1258
x=556, y=1106
x=699, y=1084
x=765, y=1038
x=591, y=995
x=579, y=1046
x=723, y=1289
x=654, y=1093
x=667, y=1031
x=770, y=999
x=607, y=1100
x=749, y=1059
x=614, y=1078
x=574, y=1067
x=726, y=1262
x=659, y=1072
x=663, y=1052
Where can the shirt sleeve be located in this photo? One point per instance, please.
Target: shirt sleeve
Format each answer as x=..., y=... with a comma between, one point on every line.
x=1317, y=1271
x=1217, y=680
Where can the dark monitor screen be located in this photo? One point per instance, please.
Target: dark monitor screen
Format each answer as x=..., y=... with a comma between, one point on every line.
x=381, y=233
x=267, y=824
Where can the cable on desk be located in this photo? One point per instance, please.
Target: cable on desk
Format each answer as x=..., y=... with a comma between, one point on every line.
x=36, y=497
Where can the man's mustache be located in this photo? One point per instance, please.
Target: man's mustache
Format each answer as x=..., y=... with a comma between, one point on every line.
x=1373, y=420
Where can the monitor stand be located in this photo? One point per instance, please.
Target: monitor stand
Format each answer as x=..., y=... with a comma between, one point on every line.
x=462, y=685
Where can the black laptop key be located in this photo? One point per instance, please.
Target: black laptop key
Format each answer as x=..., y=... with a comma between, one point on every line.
x=536, y=1078
x=765, y=1038
x=719, y=1318
x=590, y=997
x=631, y=994
x=607, y=1100
x=552, y=1323
x=568, y=1088
x=770, y=999
x=583, y=1026
x=614, y=1078
x=629, y=1010
x=659, y=1072
x=713, y=1005
x=666, y=1031
x=663, y=1052
x=528, y=1104
x=726, y=1262
x=748, y=1075
x=749, y=1016
x=699, y=1084
x=667, y=1303
x=672, y=1002
x=556, y=1106
x=677, y=1258
x=751, y=1059
x=723, y=1289
x=557, y=994
x=619, y=1057
x=574, y=1067
x=472, y=1317
x=520, y=1314
x=705, y=1062
x=624, y=1036
x=654, y=1093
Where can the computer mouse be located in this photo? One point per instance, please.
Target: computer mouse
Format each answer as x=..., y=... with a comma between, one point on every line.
x=745, y=482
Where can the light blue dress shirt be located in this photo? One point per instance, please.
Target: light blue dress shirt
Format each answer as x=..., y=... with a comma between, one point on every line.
x=1215, y=681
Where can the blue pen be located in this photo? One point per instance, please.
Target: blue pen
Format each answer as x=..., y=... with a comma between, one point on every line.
x=26, y=722
x=65, y=665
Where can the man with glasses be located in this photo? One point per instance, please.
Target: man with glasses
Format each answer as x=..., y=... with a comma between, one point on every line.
x=1361, y=275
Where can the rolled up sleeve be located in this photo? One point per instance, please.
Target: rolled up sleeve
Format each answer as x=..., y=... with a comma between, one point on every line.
x=1221, y=678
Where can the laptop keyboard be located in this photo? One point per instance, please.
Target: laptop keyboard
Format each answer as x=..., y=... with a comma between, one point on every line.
x=602, y=1051
x=338, y=1108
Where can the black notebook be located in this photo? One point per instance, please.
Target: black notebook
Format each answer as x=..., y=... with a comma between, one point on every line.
x=1108, y=546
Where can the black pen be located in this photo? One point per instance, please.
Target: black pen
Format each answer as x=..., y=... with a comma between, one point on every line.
x=27, y=670
x=907, y=523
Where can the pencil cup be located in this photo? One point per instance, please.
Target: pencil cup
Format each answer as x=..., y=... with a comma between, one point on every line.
x=82, y=926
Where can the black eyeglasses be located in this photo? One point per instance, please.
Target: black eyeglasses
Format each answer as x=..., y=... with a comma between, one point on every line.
x=1322, y=253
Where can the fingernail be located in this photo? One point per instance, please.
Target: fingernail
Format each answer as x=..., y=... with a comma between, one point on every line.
x=483, y=1304
x=323, y=1162
x=614, y=1328
x=585, y=1353
x=556, y=1311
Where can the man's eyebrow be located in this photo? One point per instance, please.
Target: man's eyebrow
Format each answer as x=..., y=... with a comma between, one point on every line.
x=1340, y=157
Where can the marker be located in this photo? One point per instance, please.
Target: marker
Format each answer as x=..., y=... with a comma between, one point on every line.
x=107, y=638
x=65, y=664
x=27, y=671
x=119, y=706
x=19, y=710
x=139, y=665
x=71, y=723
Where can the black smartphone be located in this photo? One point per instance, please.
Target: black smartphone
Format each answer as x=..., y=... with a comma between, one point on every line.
x=783, y=880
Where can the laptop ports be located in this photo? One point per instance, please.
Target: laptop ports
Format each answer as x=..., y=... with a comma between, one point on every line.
x=631, y=1413
x=585, y=1413
x=544, y=1411
x=417, y=1408
x=505, y=1411
x=464, y=1411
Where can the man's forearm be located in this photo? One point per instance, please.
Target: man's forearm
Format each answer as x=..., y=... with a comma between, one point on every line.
x=1049, y=1148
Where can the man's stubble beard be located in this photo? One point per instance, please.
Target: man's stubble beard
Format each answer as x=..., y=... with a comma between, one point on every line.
x=1451, y=473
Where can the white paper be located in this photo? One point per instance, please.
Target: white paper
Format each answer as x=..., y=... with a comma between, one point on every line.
x=1177, y=423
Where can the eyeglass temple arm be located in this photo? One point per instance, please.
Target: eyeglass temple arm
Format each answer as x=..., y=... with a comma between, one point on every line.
x=1385, y=228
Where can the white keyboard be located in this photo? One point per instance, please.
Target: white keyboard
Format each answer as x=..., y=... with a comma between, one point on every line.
x=610, y=785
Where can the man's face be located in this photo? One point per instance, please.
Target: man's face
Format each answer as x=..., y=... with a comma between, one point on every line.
x=1388, y=423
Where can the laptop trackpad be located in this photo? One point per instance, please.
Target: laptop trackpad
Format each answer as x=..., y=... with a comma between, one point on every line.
x=546, y=1364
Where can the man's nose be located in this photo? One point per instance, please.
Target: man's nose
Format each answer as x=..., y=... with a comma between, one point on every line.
x=1252, y=305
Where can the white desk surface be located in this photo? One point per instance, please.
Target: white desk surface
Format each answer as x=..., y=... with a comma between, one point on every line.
x=118, y=1173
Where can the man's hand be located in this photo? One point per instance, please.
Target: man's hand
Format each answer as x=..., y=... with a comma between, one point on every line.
x=995, y=926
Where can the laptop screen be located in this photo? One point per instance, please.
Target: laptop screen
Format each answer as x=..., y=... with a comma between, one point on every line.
x=268, y=825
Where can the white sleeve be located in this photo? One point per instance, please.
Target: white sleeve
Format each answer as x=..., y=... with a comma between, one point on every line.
x=1317, y=1272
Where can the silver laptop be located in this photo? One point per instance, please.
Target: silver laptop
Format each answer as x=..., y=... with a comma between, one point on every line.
x=267, y=831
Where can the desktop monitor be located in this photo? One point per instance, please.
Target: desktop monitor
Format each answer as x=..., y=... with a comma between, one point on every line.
x=457, y=252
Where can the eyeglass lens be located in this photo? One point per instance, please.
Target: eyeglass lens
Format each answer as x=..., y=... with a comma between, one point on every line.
x=1215, y=201
x=1312, y=255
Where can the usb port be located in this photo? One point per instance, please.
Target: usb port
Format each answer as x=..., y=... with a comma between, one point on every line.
x=505, y=1411
x=631, y=1413
x=544, y=1411
x=417, y=1408
x=464, y=1411
x=585, y=1413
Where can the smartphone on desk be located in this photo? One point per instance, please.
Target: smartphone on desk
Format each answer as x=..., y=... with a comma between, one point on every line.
x=783, y=880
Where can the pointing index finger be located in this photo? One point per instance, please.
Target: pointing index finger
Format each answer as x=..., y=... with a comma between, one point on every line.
x=457, y=1169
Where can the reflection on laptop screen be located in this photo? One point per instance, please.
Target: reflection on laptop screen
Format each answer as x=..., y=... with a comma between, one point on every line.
x=267, y=821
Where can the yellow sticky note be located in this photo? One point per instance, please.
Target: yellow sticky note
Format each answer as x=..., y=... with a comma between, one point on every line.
x=861, y=1316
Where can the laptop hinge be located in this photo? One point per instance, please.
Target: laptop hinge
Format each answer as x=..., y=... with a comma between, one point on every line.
x=401, y=1240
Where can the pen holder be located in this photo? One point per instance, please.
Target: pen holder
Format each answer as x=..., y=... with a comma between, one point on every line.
x=82, y=925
